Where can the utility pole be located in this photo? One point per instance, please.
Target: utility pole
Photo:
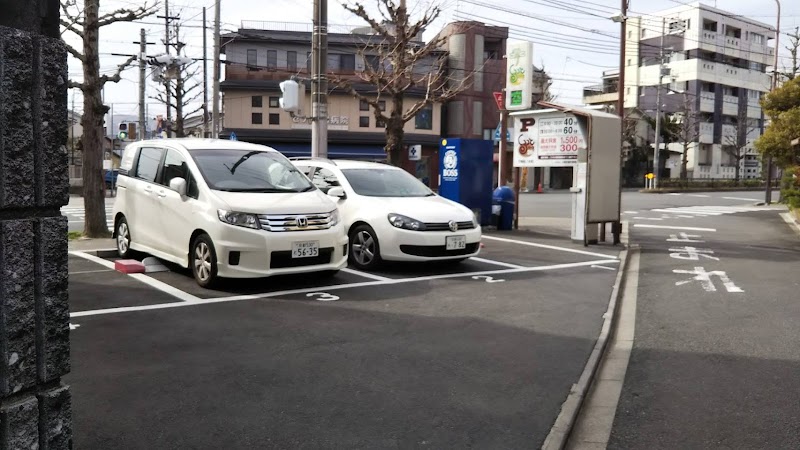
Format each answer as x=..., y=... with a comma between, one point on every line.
x=768, y=194
x=205, y=76
x=622, y=46
x=319, y=80
x=656, y=155
x=167, y=19
x=72, y=127
x=215, y=108
x=142, y=81
x=501, y=146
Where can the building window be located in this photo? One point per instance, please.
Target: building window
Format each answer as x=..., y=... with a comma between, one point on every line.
x=363, y=121
x=256, y=101
x=424, y=118
x=382, y=105
x=252, y=58
x=291, y=61
x=379, y=123
x=373, y=62
x=274, y=102
x=629, y=61
x=709, y=25
x=644, y=32
x=274, y=119
x=272, y=59
x=630, y=34
x=363, y=105
x=257, y=119
x=347, y=63
x=757, y=38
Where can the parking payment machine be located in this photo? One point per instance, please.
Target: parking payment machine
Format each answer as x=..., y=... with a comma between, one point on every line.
x=588, y=141
x=465, y=174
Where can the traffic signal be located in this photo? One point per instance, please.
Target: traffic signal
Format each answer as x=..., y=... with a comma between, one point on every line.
x=292, y=93
x=123, y=131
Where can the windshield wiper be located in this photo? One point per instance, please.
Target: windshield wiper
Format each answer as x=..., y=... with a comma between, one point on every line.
x=261, y=190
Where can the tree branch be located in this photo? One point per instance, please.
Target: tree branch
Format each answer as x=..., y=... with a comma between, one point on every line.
x=117, y=76
x=75, y=53
x=72, y=20
x=127, y=15
x=72, y=84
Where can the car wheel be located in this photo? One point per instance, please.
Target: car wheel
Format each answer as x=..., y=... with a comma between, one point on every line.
x=204, y=261
x=364, y=248
x=123, y=238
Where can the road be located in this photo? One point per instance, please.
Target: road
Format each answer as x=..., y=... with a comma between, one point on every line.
x=74, y=211
x=557, y=203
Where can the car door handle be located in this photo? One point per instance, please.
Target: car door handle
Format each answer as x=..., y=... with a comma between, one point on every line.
x=148, y=189
x=162, y=194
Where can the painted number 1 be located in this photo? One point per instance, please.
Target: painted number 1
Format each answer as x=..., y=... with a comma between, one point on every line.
x=323, y=296
x=487, y=279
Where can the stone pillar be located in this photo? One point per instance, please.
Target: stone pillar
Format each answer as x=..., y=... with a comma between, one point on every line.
x=34, y=308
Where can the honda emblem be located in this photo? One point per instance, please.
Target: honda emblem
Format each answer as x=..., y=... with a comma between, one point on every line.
x=302, y=221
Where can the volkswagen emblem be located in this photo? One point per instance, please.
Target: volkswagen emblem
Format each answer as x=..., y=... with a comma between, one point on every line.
x=453, y=225
x=302, y=221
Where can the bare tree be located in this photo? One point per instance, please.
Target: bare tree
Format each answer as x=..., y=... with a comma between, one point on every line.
x=86, y=25
x=184, y=90
x=686, y=132
x=793, y=47
x=734, y=145
x=397, y=62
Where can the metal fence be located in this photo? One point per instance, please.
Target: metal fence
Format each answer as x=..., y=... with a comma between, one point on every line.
x=714, y=183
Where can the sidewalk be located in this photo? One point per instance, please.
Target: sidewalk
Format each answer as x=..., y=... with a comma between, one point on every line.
x=89, y=245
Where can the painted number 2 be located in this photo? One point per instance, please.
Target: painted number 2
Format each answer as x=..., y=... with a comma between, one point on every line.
x=323, y=296
x=487, y=279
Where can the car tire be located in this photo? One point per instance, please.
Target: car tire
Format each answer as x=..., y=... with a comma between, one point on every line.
x=203, y=261
x=365, y=251
x=123, y=237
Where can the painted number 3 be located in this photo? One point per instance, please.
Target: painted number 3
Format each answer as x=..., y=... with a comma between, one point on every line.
x=323, y=296
x=487, y=279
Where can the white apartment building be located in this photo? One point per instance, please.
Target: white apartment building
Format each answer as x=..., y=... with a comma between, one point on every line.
x=717, y=62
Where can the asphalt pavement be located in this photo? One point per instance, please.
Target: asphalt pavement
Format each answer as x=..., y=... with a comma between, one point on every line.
x=716, y=355
x=480, y=354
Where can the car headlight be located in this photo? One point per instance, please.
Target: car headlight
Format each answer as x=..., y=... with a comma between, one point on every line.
x=401, y=221
x=239, y=219
x=334, y=217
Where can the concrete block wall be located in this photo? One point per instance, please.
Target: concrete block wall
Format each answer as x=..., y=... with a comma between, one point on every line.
x=34, y=183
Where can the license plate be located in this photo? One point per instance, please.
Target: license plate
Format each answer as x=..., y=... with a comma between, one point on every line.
x=455, y=242
x=308, y=249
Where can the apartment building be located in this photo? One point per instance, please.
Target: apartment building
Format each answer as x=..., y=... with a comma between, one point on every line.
x=262, y=54
x=715, y=63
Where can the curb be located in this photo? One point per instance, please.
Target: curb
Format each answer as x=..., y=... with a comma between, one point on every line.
x=793, y=224
x=562, y=428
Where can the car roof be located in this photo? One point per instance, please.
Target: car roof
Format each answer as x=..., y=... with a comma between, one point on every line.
x=206, y=144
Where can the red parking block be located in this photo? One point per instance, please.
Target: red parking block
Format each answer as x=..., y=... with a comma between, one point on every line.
x=129, y=266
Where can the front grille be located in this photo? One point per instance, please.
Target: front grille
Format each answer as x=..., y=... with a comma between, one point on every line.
x=283, y=259
x=289, y=222
x=437, y=251
x=445, y=226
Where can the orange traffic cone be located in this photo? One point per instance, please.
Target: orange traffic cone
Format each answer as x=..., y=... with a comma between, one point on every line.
x=539, y=188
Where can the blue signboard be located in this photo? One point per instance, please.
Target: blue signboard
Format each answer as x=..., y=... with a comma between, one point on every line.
x=466, y=170
x=233, y=136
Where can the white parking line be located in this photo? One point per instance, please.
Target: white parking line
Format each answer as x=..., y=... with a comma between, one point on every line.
x=670, y=227
x=90, y=271
x=595, y=266
x=496, y=263
x=365, y=274
x=699, y=195
x=742, y=198
x=95, y=259
x=551, y=247
x=199, y=301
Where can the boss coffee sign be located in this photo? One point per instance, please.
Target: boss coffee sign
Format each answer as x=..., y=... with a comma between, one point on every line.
x=547, y=141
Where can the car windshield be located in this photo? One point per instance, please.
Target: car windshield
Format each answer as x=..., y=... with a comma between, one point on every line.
x=249, y=171
x=378, y=182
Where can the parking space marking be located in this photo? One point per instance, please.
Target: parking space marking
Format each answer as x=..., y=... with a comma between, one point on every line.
x=160, y=285
x=365, y=274
x=496, y=263
x=551, y=247
x=198, y=301
x=90, y=271
x=595, y=266
x=670, y=227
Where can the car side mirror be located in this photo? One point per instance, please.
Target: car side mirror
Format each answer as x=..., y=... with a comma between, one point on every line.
x=337, y=191
x=178, y=185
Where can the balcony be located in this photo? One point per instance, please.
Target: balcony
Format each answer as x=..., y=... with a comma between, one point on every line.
x=707, y=101
x=706, y=133
x=599, y=94
x=753, y=109
x=728, y=132
x=730, y=105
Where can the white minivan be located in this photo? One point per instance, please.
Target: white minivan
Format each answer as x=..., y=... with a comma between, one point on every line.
x=224, y=209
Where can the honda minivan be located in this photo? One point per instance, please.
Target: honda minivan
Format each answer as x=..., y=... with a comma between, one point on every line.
x=224, y=209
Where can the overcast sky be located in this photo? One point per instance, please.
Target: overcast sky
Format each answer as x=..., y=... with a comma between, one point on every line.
x=573, y=39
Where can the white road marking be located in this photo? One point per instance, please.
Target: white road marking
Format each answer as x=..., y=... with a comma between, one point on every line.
x=674, y=193
x=699, y=195
x=73, y=326
x=90, y=271
x=742, y=198
x=496, y=263
x=648, y=218
x=551, y=247
x=199, y=301
x=694, y=211
x=670, y=227
x=365, y=274
x=160, y=285
x=595, y=266
x=704, y=277
x=630, y=212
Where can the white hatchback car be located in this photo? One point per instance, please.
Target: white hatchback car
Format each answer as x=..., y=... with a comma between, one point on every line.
x=390, y=215
x=224, y=209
